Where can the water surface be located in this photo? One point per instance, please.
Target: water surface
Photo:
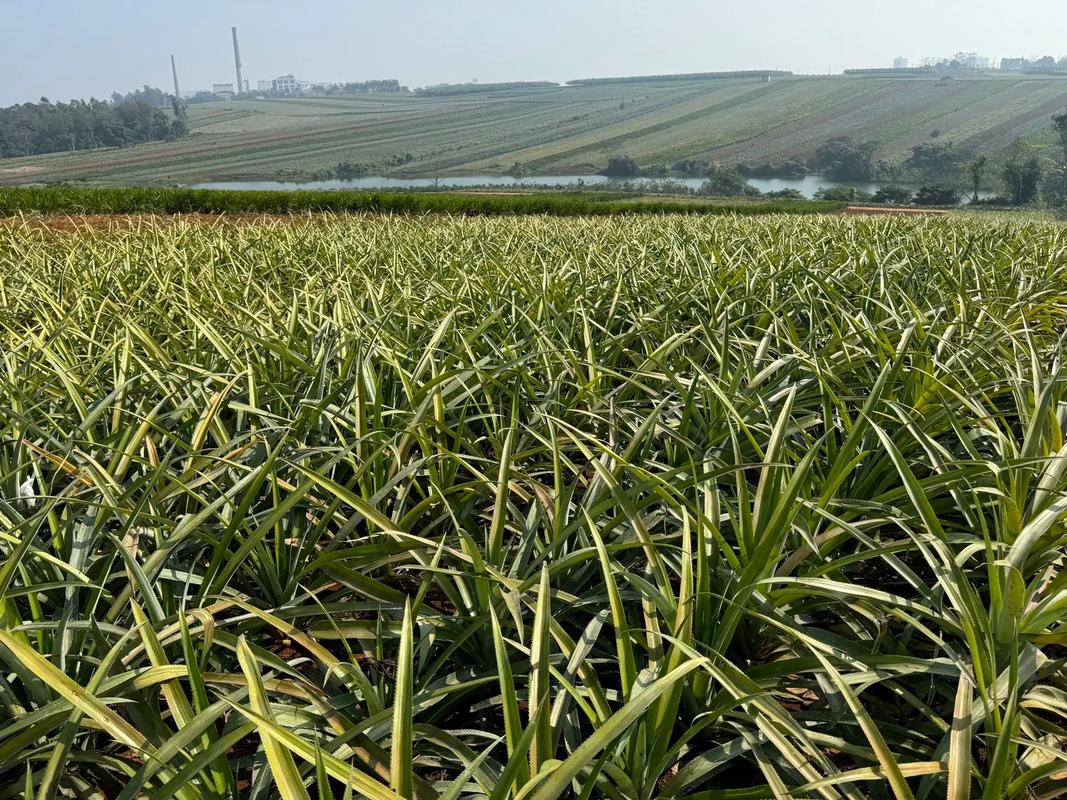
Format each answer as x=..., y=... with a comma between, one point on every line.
x=807, y=185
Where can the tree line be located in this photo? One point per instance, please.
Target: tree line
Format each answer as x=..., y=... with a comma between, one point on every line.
x=689, y=76
x=1026, y=174
x=30, y=129
x=1023, y=174
x=448, y=89
x=382, y=86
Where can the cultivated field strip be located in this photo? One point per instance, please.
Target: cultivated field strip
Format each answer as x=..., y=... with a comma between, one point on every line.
x=533, y=508
x=571, y=130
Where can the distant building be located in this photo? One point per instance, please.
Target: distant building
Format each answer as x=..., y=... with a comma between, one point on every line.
x=286, y=84
x=900, y=63
x=219, y=88
x=265, y=86
x=1013, y=64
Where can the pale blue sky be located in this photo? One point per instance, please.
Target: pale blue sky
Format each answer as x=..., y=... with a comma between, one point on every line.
x=76, y=48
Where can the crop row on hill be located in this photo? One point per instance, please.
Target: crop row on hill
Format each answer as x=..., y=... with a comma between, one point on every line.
x=572, y=130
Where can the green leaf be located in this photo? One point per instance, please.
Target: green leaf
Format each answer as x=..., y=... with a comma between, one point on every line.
x=401, y=767
x=959, y=752
x=286, y=776
x=559, y=775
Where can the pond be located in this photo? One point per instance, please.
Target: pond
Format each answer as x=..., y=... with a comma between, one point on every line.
x=807, y=185
x=810, y=184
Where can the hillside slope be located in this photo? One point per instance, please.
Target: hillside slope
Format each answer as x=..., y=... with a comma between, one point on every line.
x=571, y=130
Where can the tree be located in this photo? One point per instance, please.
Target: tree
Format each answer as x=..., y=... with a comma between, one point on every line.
x=1022, y=179
x=845, y=159
x=936, y=195
x=978, y=168
x=1059, y=122
x=46, y=127
x=893, y=196
x=180, y=125
x=621, y=167
x=725, y=183
x=346, y=170
x=939, y=161
x=842, y=194
x=1055, y=180
x=691, y=168
x=793, y=168
x=154, y=97
x=965, y=61
x=366, y=87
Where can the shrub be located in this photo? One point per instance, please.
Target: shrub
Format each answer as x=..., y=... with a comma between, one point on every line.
x=621, y=167
x=893, y=196
x=937, y=195
x=842, y=193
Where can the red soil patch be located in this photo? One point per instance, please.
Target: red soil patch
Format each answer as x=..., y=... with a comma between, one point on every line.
x=872, y=211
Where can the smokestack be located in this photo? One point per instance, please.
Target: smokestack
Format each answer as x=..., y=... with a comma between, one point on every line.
x=174, y=69
x=237, y=61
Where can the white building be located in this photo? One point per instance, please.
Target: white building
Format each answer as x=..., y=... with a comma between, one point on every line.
x=900, y=63
x=286, y=84
x=265, y=86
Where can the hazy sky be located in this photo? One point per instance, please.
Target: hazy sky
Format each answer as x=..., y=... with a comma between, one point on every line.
x=77, y=48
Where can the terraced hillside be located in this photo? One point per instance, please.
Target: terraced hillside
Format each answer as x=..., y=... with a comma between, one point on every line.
x=570, y=130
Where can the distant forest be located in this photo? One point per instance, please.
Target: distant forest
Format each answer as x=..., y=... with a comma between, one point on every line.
x=689, y=76
x=368, y=87
x=447, y=89
x=31, y=129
